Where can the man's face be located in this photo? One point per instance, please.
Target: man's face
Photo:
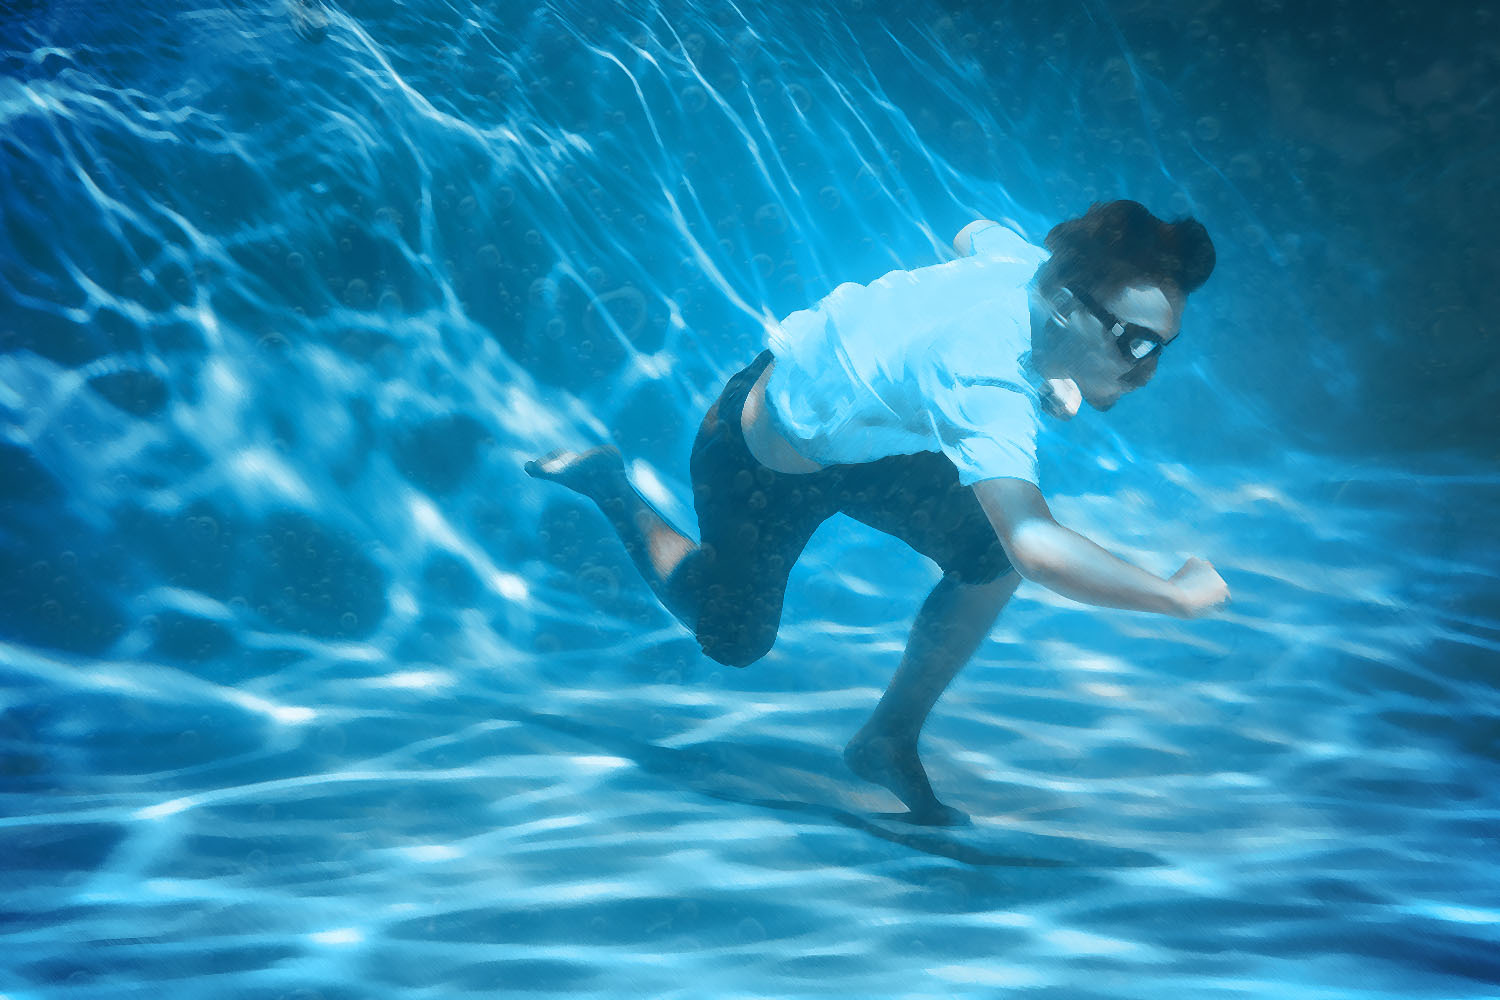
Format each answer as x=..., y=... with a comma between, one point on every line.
x=1102, y=372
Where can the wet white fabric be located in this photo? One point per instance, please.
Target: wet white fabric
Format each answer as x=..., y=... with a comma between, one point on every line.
x=931, y=359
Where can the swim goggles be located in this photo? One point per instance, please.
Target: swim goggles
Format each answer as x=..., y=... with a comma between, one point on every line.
x=1136, y=343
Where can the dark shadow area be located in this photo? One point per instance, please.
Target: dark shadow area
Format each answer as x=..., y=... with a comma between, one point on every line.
x=818, y=786
x=1342, y=155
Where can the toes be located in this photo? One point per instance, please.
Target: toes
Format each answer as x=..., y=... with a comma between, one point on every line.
x=549, y=465
x=937, y=814
x=949, y=816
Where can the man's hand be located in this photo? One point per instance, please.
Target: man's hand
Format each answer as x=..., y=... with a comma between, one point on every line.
x=1201, y=587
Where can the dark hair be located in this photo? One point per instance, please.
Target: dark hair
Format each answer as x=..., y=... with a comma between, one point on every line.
x=1120, y=243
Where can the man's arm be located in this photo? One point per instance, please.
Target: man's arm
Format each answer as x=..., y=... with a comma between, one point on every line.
x=1064, y=561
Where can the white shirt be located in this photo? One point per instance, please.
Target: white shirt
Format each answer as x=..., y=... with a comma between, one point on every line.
x=932, y=359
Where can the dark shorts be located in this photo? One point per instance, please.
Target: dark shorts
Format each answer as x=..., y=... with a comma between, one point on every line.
x=754, y=523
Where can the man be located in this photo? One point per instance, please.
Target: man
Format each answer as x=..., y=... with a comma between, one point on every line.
x=912, y=404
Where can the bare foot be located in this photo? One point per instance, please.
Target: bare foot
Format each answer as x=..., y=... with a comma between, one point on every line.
x=895, y=765
x=595, y=473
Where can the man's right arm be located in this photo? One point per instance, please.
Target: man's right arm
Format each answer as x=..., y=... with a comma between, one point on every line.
x=1066, y=562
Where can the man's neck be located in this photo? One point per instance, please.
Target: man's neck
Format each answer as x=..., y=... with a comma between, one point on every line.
x=1044, y=345
x=1060, y=395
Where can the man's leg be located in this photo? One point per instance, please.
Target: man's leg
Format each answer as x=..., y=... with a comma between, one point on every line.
x=728, y=591
x=683, y=575
x=654, y=545
x=953, y=621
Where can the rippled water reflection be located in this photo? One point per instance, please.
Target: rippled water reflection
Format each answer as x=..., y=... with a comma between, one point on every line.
x=308, y=691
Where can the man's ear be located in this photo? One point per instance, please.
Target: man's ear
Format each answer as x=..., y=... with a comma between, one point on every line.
x=1060, y=302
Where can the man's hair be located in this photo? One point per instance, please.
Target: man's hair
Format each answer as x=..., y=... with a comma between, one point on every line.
x=1116, y=244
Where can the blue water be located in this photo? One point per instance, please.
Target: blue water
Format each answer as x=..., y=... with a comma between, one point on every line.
x=307, y=691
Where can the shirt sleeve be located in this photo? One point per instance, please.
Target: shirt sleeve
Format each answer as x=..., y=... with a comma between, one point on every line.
x=983, y=413
x=988, y=429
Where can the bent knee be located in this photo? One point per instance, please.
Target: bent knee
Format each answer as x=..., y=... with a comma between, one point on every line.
x=1003, y=579
x=989, y=569
x=737, y=651
x=995, y=592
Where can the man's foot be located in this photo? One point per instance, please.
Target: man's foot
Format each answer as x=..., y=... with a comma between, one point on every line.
x=595, y=473
x=895, y=765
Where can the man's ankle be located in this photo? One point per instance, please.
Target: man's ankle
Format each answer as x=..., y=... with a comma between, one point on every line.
x=886, y=738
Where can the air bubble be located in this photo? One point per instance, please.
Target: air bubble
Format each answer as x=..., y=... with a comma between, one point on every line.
x=771, y=218
x=357, y=294
x=626, y=306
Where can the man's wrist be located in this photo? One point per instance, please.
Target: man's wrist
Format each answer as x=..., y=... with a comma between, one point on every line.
x=1175, y=602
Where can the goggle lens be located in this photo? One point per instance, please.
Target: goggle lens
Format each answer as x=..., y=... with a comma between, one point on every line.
x=1136, y=343
x=1139, y=348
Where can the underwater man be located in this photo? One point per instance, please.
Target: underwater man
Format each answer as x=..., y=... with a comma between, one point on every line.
x=912, y=404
